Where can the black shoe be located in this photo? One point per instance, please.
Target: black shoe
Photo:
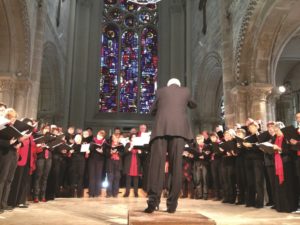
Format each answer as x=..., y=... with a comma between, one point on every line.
x=23, y=206
x=225, y=201
x=240, y=203
x=136, y=195
x=270, y=204
x=126, y=195
x=231, y=202
x=8, y=208
x=150, y=209
x=171, y=210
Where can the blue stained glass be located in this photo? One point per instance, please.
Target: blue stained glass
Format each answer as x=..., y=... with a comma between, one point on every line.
x=129, y=72
x=109, y=69
x=145, y=17
x=149, y=68
x=129, y=59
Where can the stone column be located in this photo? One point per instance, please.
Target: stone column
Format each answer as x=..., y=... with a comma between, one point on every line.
x=239, y=96
x=78, y=93
x=228, y=72
x=177, y=40
x=22, y=102
x=37, y=56
x=257, y=98
x=208, y=123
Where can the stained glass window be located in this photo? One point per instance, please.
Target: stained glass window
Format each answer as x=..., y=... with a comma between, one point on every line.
x=129, y=57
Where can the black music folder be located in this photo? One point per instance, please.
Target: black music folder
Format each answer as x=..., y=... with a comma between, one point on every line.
x=23, y=127
x=290, y=132
x=9, y=132
x=266, y=147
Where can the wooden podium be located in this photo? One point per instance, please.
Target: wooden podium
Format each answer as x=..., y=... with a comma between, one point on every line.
x=136, y=217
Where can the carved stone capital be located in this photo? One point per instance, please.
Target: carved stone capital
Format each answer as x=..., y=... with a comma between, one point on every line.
x=7, y=83
x=259, y=91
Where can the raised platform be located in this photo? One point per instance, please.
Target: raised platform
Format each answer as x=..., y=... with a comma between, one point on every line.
x=137, y=217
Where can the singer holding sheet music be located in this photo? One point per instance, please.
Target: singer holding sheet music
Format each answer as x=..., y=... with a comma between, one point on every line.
x=285, y=184
x=43, y=167
x=170, y=132
x=8, y=162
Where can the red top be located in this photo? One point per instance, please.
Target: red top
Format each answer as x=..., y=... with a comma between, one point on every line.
x=278, y=160
x=23, y=154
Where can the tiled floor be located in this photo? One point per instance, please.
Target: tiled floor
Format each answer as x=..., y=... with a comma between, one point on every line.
x=101, y=210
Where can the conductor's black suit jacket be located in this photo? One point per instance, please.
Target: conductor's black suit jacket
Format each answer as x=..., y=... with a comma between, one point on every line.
x=170, y=111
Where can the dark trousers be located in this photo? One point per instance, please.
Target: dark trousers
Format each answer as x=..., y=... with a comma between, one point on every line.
x=20, y=186
x=270, y=182
x=200, y=180
x=297, y=167
x=8, y=165
x=187, y=187
x=53, y=184
x=240, y=179
x=76, y=173
x=95, y=168
x=43, y=167
x=145, y=161
x=255, y=182
x=229, y=182
x=135, y=184
x=159, y=147
x=216, y=170
x=114, y=175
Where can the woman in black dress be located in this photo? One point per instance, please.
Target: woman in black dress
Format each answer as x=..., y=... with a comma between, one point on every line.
x=285, y=186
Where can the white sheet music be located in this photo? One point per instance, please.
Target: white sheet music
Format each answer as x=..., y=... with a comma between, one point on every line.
x=143, y=140
x=3, y=122
x=124, y=141
x=85, y=148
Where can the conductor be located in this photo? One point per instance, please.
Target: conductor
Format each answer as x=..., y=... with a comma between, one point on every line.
x=170, y=132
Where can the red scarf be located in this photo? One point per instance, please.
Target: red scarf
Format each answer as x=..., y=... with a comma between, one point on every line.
x=115, y=156
x=200, y=147
x=134, y=164
x=278, y=160
x=99, y=142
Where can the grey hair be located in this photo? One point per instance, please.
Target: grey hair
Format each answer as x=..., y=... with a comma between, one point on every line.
x=279, y=124
x=174, y=81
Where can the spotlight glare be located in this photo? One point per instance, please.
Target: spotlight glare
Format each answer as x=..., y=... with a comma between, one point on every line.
x=282, y=89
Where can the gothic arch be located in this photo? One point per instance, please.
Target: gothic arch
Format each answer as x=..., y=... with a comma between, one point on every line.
x=208, y=91
x=14, y=38
x=50, y=108
x=266, y=29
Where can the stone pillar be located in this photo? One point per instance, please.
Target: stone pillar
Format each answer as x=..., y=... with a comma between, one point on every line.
x=208, y=123
x=69, y=63
x=80, y=68
x=257, y=97
x=22, y=102
x=7, y=89
x=177, y=40
x=239, y=96
x=228, y=72
x=36, y=62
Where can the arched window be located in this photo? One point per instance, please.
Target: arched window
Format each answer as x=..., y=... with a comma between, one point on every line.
x=129, y=57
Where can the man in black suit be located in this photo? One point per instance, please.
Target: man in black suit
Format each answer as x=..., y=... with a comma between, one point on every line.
x=171, y=130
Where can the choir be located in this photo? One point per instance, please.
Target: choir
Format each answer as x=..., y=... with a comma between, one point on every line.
x=241, y=166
